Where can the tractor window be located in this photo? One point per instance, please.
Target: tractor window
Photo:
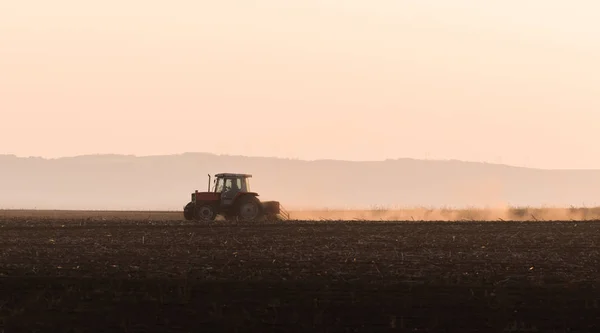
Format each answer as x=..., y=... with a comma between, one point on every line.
x=219, y=186
x=234, y=183
x=247, y=184
x=227, y=184
x=230, y=184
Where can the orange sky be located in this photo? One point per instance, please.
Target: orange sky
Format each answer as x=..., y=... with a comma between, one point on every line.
x=516, y=82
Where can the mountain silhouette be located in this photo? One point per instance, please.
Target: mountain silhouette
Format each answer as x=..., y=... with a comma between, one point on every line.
x=122, y=182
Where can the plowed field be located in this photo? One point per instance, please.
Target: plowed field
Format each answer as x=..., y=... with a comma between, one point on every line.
x=85, y=275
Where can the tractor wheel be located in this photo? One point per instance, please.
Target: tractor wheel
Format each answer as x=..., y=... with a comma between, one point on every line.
x=249, y=208
x=205, y=212
x=188, y=211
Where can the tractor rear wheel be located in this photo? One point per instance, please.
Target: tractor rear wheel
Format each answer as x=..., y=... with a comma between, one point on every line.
x=205, y=212
x=249, y=208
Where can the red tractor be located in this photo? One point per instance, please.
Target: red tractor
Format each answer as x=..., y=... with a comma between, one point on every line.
x=231, y=197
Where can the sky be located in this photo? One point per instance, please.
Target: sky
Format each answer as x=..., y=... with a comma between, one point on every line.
x=512, y=82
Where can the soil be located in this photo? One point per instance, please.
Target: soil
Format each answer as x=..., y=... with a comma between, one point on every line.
x=124, y=275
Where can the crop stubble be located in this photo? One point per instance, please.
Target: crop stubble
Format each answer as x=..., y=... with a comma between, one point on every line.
x=173, y=276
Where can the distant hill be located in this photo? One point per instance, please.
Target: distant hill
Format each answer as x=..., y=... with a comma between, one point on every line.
x=165, y=182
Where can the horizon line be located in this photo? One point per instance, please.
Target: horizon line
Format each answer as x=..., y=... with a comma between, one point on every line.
x=290, y=158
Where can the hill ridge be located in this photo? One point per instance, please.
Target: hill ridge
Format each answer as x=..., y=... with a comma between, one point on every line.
x=164, y=182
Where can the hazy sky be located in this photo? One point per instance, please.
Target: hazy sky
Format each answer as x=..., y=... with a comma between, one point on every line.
x=516, y=82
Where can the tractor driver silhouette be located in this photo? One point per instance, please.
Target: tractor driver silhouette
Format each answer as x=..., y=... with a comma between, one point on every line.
x=230, y=191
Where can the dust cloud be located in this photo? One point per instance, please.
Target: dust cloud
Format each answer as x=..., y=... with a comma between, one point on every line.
x=448, y=214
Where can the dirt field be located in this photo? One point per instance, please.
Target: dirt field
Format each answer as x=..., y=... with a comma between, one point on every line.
x=376, y=214
x=85, y=274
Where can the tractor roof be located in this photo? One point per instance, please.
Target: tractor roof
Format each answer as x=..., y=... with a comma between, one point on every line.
x=242, y=175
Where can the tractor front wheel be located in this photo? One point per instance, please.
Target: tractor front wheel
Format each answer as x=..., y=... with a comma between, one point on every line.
x=249, y=208
x=205, y=212
x=188, y=211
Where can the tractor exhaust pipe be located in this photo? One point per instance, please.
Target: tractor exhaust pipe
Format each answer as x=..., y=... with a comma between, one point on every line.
x=209, y=182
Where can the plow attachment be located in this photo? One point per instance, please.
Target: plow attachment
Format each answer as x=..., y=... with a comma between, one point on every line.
x=274, y=209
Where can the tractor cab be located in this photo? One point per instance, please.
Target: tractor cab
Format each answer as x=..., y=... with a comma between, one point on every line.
x=230, y=185
x=225, y=181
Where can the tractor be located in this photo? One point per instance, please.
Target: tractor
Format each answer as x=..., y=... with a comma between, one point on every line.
x=231, y=198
